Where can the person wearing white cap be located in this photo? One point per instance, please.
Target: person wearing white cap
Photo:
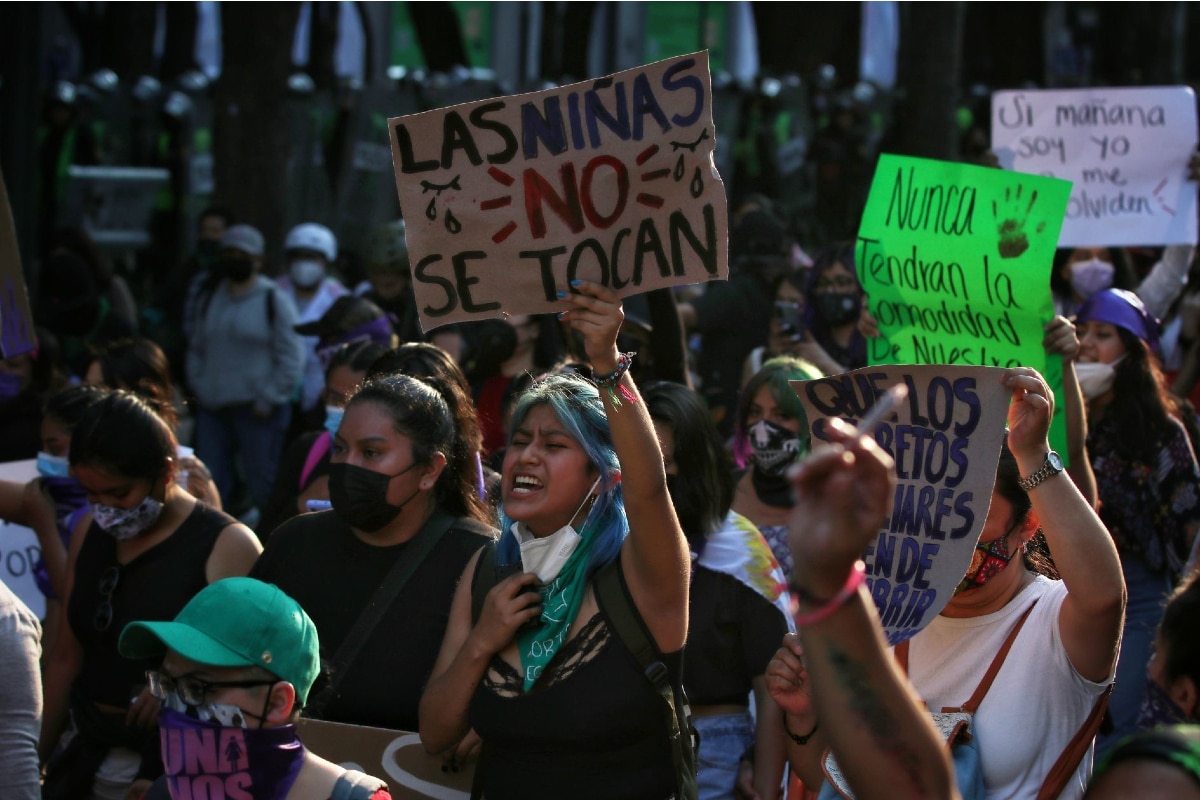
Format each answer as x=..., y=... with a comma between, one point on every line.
x=311, y=251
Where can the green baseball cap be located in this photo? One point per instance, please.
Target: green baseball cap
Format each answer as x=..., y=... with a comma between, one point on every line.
x=236, y=622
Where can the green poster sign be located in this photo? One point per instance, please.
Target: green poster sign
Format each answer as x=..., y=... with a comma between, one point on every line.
x=956, y=262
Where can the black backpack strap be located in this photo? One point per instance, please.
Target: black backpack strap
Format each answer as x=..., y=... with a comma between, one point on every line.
x=385, y=594
x=483, y=580
x=271, y=306
x=618, y=606
x=487, y=574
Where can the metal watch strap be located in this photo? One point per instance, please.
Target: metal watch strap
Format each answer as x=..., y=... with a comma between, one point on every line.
x=1040, y=474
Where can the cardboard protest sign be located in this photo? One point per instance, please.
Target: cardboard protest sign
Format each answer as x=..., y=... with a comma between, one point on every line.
x=955, y=260
x=1125, y=150
x=19, y=548
x=508, y=200
x=16, y=318
x=397, y=757
x=946, y=442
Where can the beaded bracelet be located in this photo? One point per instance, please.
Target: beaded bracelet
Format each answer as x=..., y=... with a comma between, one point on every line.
x=614, y=377
x=610, y=382
x=822, y=608
x=800, y=740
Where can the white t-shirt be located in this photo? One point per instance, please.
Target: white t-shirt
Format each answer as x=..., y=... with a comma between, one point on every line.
x=1037, y=702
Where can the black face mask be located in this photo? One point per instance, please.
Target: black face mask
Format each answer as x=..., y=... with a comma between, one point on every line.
x=359, y=496
x=235, y=269
x=836, y=308
x=774, y=490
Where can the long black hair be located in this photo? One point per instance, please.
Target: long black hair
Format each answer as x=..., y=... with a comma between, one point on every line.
x=702, y=491
x=140, y=366
x=1141, y=405
x=420, y=412
x=122, y=434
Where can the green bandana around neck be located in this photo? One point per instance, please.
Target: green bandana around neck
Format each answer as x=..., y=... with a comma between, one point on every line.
x=561, y=599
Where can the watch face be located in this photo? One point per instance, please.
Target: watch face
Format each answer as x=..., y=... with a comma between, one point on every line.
x=1055, y=461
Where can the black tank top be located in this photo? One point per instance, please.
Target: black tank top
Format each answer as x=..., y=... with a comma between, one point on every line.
x=154, y=586
x=597, y=729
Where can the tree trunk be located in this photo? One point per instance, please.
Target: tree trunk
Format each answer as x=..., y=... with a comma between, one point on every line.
x=251, y=145
x=1168, y=43
x=179, y=49
x=931, y=36
x=324, y=23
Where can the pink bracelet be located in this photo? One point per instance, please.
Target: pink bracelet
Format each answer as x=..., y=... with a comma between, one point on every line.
x=825, y=608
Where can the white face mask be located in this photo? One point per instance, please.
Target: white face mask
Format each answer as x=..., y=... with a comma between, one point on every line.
x=306, y=272
x=1095, y=378
x=1089, y=277
x=549, y=554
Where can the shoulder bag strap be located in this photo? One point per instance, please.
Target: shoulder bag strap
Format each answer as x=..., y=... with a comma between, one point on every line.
x=418, y=548
x=972, y=705
x=483, y=580
x=900, y=653
x=1076, y=749
x=630, y=629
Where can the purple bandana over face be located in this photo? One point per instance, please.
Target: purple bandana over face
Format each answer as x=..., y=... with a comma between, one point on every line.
x=126, y=523
x=1159, y=709
x=206, y=759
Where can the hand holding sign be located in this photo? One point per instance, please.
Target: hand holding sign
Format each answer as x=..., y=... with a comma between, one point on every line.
x=596, y=313
x=1030, y=412
x=1061, y=339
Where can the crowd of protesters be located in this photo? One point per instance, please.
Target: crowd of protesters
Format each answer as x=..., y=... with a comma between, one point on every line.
x=289, y=424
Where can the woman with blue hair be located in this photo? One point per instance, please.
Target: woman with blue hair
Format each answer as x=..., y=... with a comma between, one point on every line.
x=540, y=675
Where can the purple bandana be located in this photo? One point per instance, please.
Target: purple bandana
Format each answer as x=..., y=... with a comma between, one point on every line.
x=1123, y=309
x=206, y=759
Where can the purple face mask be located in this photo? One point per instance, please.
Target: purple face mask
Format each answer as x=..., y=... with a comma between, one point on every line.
x=126, y=523
x=204, y=758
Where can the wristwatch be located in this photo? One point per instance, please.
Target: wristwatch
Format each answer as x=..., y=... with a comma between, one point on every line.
x=1052, y=466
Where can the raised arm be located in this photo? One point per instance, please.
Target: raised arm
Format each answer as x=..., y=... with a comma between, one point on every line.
x=1084, y=553
x=1062, y=340
x=837, y=682
x=655, y=555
